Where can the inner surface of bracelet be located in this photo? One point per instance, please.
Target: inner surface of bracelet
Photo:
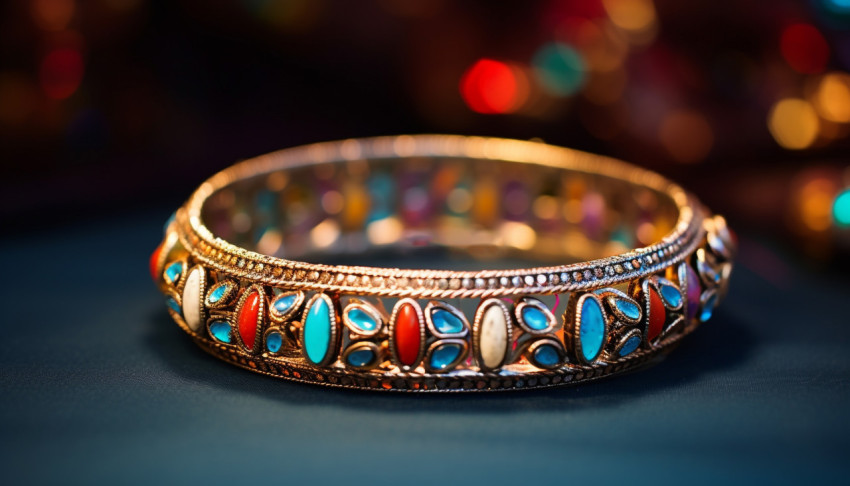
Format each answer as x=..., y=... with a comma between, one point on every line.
x=390, y=212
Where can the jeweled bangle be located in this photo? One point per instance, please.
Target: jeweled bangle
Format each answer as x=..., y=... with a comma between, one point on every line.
x=265, y=266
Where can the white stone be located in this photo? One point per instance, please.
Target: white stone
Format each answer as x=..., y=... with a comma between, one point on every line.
x=192, y=299
x=493, y=337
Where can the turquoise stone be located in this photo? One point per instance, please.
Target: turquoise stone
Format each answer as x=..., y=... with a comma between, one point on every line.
x=283, y=303
x=274, y=340
x=220, y=330
x=317, y=331
x=446, y=322
x=547, y=355
x=630, y=345
x=361, y=357
x=217, y=294
x=445, y=355
x=173, y=304
x=173, y=271
x=591, y=329
x=361, y=319
x=671, y=295
x=708, y=308
x=629, y=309
x=534, y=318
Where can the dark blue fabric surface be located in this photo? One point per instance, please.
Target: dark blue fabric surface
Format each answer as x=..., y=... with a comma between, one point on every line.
x=99, y=386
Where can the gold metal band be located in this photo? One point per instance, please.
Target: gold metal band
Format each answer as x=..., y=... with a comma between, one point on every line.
x=401, y=329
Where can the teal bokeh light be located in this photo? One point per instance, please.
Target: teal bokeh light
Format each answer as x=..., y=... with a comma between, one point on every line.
x=559, y=68
x=841, y=208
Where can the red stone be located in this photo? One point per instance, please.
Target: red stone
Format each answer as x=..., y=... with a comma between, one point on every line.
x=247, y=321
x=657, y=315
x=154, y=261
x=408, y=336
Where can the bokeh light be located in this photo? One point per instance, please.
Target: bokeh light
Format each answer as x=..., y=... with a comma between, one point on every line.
x=53, y=15
x=793, y=123
x=559, y=68
x=61, y=73
x=493, y=87
x=686, y=135
x=832, y=98
x=816, y=204
x=804, y=48
x=841, y=208
x=631, y=15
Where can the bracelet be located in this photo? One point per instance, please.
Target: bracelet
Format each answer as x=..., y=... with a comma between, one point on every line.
x=265, y=265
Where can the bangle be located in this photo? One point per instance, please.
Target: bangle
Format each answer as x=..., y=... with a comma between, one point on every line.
x=265, y=265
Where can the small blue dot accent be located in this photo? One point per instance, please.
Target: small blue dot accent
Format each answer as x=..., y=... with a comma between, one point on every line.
x=630, y=346
x=547, y=355
x=217, y=293
x=174, y=305
x=671, y=295
x=361, y=357
x=534, y=318
x=361, y=319
x=173, y=272
x=283, y=303
x=220, y=330
x=444, y=356
x=274, y=341
x=708, y=308
x=446, y=322
x=631, y=310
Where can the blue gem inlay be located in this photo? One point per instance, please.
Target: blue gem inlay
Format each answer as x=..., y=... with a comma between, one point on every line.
x=591, y=329
x=446, y=322
x=360, y=357
x=317, y=331
x=173, y=272
x=445, y=355
x=361, y=319
x=547, y=355
x=630, y=346
x=671, y=295
x=283, y=303
x=631, y=310
x=708, y=308
x=534, y=318
x=220, y=330
x=173, y=304
x=217, y=293
x=274, y=340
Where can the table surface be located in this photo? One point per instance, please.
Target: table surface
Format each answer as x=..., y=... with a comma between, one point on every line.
x=100, y=386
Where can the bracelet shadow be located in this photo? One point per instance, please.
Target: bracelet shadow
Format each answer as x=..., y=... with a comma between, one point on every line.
x=708, y=350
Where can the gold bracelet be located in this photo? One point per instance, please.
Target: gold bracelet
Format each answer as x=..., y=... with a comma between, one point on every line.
x=257, y=265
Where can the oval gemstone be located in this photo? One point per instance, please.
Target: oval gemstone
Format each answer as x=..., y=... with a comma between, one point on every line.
x=657, y=315
x=671, y=295
x=407, y=337
x=546, y=355
x=317, y=329
x=173, y=271
x=493, y=337
x=192, y=299
x=591, y=329
x=534, y=318
x=629, y=346
x=274, y=340
x=220, y=330
x=173, y=304
x=217, y=293
x=708, y=308
x=444, y=356
x=154, y=260
x=361, y=319
x=283, y=303
x=361, y=357
x=446, y=322
x=694, y=291
x=247, y=320
x=628, y=308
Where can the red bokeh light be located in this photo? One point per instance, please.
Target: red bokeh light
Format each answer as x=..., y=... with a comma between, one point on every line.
x=804, y=48
x=61, y=73
x=489, y=87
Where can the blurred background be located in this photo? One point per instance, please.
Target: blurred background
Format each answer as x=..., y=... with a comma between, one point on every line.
x=111, y=107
